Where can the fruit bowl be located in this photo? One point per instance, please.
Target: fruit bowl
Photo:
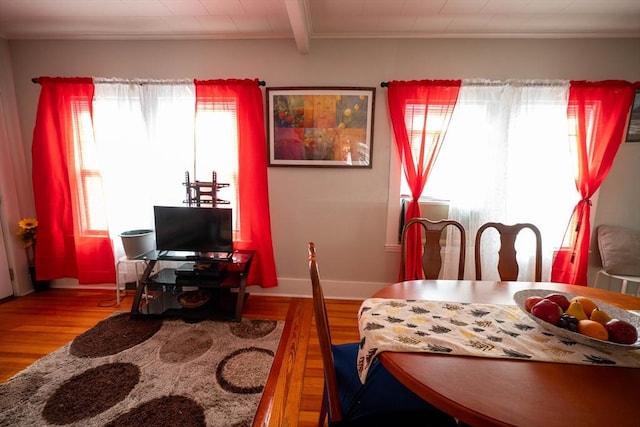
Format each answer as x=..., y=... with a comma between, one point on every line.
x=615, y=312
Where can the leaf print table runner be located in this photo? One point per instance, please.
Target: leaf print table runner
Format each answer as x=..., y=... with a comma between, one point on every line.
x=469, y=329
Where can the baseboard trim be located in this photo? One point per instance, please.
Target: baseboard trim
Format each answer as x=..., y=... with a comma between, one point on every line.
x=291, y=287
x=287, y=287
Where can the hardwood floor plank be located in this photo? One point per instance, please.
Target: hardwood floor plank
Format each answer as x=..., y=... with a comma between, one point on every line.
x=37, y=324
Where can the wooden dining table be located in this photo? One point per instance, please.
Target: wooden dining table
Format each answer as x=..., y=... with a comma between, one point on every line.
x=502, y=392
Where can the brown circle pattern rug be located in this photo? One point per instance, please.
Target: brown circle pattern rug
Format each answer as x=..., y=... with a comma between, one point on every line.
x=115, y=334
x=136, y=371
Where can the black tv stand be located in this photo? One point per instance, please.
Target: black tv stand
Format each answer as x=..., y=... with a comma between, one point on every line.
x=161, y=289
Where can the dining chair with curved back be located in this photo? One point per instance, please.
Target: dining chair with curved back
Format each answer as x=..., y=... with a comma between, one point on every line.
x=381, y=401
x=508, y=268
x=431, y=257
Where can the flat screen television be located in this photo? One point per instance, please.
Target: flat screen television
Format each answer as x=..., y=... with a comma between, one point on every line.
x=203, y=230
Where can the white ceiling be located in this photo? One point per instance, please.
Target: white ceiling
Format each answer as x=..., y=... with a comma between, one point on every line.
x=306, y=20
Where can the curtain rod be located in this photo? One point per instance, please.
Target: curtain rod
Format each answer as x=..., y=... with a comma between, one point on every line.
x=472, y=82
x=260, y=82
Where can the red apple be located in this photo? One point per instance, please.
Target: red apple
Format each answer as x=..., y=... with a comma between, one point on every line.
x=547, y=310
x=621, y=331
x=531, y=301
x=559, y=299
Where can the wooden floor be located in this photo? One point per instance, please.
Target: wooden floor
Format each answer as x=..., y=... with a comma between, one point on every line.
x=37, y=324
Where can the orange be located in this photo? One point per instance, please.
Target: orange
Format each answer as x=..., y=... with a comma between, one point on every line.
x=593, y=329
x=586, y=303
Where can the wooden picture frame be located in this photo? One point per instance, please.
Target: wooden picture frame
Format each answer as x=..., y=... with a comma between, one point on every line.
x=320, y=126
x=633, y=128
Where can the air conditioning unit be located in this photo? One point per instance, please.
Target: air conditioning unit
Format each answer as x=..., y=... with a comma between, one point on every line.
x=435, y=210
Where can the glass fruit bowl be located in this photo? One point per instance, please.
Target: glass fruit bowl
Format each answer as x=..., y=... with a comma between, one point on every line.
x=614, y=312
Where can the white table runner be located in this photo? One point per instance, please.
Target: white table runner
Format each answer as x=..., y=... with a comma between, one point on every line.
x=469, y=329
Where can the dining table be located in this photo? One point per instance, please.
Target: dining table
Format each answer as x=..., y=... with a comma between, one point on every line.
x=487, y=391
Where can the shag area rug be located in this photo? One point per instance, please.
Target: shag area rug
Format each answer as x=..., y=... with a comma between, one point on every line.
x=128, y=371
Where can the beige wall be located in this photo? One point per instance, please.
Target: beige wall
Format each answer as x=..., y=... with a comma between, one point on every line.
x=344, y=211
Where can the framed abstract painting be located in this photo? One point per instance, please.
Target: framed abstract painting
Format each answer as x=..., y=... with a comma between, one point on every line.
x=320, y=126
x=633, y=130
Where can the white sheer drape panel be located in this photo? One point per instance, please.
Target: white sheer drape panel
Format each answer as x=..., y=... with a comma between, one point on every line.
x=217, y=150
x=145, y=135
x=509, y=142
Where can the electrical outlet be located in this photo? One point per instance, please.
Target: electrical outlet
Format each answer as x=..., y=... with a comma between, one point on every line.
x=131, y=286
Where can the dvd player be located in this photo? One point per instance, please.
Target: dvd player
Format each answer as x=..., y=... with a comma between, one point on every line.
x=200, y=270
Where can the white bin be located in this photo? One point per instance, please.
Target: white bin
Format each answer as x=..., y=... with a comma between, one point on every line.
x=138, y=242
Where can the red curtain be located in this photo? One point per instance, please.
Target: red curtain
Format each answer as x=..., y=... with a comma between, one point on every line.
x=62, y=249
x=420, y=111
x=600, y=111
x=255, y=220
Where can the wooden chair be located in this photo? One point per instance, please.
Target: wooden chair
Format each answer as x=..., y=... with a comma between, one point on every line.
x=507, y=262
x=381, y=401
x=431, y=251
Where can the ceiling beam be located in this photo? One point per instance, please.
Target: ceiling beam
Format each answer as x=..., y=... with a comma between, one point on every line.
x=297, y=11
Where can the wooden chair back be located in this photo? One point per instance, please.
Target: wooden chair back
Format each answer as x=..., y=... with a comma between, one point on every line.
x=330, y=393
x=431, y=258
x=507, y=262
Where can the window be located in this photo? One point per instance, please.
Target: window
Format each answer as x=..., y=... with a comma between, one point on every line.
x=146, y=138
x=462, y=170
x=92, y=210
x=216, y=149
x=143, y=143
x=415, y=121
x=506, y=156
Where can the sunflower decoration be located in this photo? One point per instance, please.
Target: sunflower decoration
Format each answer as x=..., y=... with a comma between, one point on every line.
x=27, y=228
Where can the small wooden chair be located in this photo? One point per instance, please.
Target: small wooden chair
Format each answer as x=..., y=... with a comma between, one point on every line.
x=381, y=401
x=431, y=252
x=507, y=262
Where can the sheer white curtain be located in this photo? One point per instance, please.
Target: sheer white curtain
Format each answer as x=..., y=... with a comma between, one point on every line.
x=144, y=131
x=216, y=149
x=507, y=151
